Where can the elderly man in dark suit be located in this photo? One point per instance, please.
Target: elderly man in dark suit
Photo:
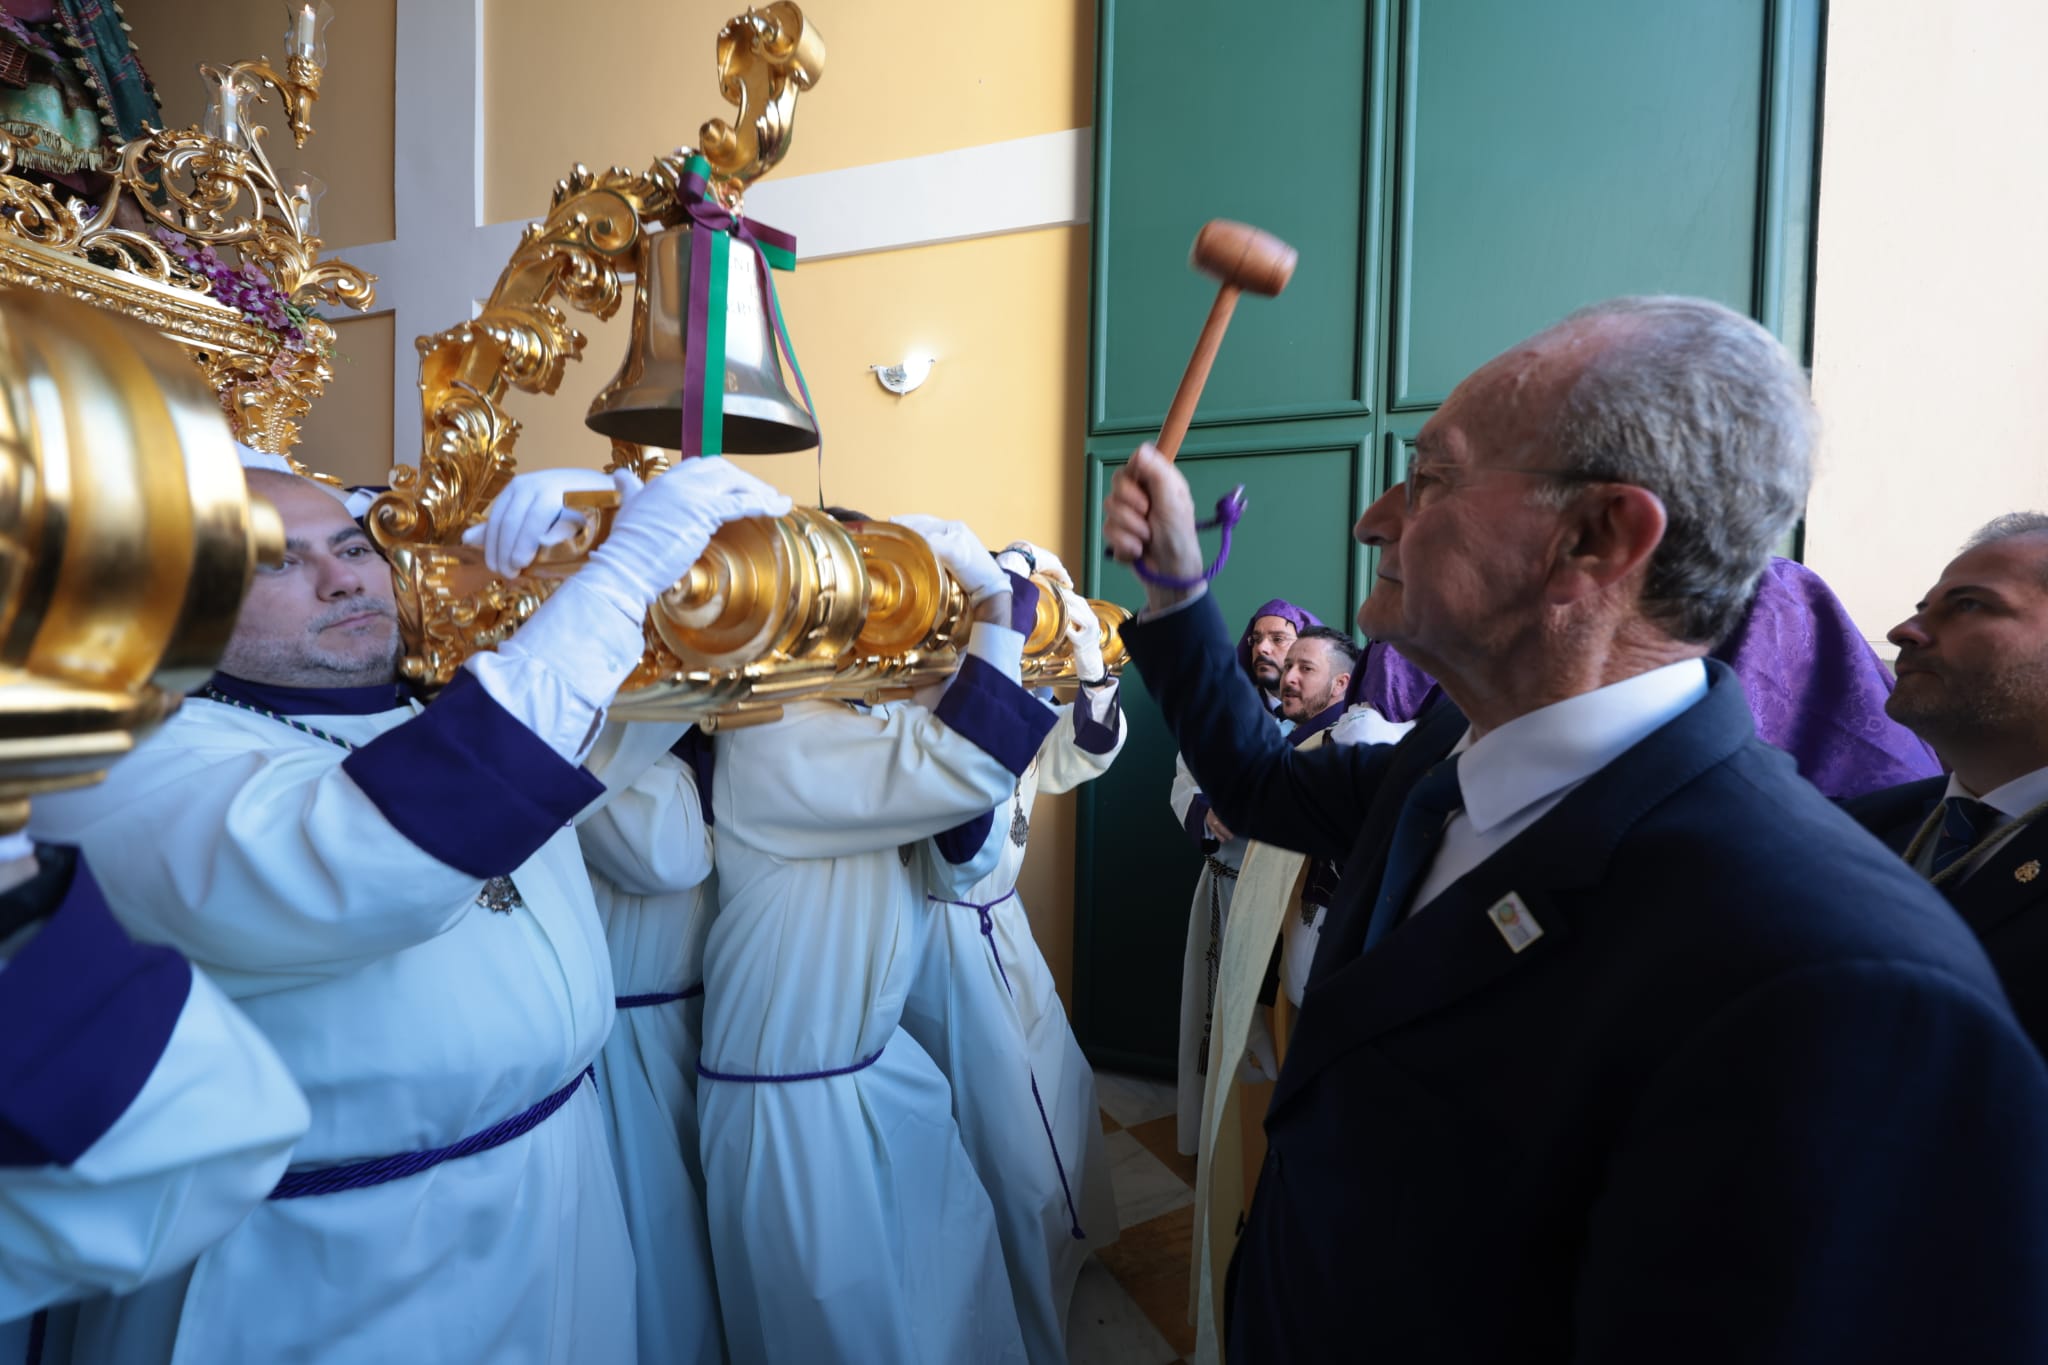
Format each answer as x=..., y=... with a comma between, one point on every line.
x=1973, y=683
x=1622, y=1043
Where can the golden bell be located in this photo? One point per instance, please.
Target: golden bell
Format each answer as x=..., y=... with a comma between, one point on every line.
x=644, y=402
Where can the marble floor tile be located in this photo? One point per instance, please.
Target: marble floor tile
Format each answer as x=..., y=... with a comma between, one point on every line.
x=1145, y=1188
x=1150, y=1261
x=1106, y=1327
x=1131, y=1100
x=1161, y=1138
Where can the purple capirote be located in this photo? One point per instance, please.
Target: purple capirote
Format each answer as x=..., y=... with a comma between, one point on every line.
x=1815, y=686
x=1300, y=617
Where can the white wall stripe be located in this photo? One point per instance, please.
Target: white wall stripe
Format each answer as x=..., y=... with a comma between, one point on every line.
x=1015, y=186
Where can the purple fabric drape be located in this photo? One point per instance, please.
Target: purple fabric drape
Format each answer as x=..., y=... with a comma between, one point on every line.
x=1815, y=686
x=1818, y=689
x=1390, y=684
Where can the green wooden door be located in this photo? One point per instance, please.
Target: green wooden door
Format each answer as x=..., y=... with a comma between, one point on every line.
x=1456, y=174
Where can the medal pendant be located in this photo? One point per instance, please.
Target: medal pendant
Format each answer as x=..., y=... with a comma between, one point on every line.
x=499, y=896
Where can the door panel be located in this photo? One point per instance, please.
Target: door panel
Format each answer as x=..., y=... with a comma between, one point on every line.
x=1556, y=155
x=1216, y=114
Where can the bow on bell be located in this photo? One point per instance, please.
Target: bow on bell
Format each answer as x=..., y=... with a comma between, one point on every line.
x=703, y=373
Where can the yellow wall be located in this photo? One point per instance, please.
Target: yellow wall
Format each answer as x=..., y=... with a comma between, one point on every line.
x=1930, y=349
x=633, y=78
x=347, y=434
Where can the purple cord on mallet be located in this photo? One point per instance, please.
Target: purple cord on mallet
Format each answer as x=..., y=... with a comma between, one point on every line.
x=1229, y=511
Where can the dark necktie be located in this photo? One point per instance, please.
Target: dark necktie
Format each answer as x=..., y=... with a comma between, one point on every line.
x=1418, y=831
x=1963, y=822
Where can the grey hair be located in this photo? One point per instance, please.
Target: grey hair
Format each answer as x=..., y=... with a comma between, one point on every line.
x=1707, y=410
x=2011, y=526
x=2007, y=527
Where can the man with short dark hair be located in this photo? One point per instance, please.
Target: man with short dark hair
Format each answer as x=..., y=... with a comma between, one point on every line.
x=1622, y=1043
x=1316, y=674
x=1973, y=683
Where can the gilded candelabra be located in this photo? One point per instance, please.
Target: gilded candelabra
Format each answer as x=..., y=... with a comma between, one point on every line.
x=250, y=322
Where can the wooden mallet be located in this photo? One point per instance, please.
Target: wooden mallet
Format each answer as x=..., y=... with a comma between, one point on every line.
x=1242, y=257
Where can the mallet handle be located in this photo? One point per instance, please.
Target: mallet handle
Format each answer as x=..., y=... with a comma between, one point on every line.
x=1190, y=392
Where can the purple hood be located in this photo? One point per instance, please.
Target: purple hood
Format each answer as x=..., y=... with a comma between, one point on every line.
x=1281, y=608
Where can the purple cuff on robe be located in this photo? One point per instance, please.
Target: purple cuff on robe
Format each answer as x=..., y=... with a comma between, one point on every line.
x=1023, y=605
x=1092, y=736
x=86, y=1012
x=469, y=784
x=959, y=844
x=1817, y=688
x=694, y=748
x=1197, y=824
x=995, y=714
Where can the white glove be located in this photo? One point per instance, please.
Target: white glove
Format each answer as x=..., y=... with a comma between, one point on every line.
x=963, y=555
x=529, y=514
x=663, y=529
x=1023, y=559
x=563, y=666
x=1084, y=629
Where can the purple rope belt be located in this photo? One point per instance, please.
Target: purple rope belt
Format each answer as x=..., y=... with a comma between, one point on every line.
x=988, y=931
x=635, y=1002
x=862, y=1065
x=357, y=1175
x=1229, y=511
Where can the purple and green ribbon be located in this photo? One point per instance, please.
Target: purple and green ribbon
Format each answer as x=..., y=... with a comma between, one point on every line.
x=712, y=230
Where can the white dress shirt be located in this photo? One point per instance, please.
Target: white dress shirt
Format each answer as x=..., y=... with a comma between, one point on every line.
x=2010, y=801
x=1512, y=776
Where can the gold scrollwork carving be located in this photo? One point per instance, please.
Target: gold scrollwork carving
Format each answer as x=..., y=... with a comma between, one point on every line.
x=204, y=193
x=765, y=58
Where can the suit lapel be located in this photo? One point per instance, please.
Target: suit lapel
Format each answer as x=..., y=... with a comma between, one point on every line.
x=1895, y=815
x=1453, y=946
x=1343, y=936
x=2009, y=881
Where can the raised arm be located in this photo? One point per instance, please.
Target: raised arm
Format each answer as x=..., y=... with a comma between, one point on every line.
x=1312, y=801
x=1262, y=789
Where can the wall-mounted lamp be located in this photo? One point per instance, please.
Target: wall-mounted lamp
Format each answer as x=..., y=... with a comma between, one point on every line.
x=902, y=378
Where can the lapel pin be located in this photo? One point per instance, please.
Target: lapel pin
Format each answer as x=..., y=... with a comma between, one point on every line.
x=1514, y=921
x=2027, y=871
